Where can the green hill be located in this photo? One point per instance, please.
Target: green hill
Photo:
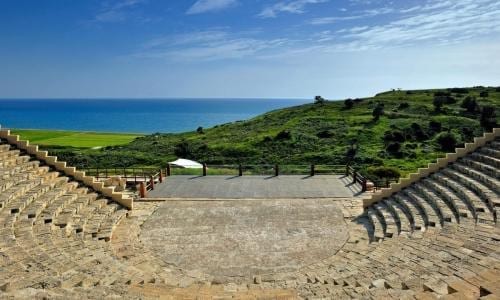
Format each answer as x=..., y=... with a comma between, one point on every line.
x=414, y=128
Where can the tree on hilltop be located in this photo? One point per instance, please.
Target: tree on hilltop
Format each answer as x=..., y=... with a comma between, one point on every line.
x=349, y=103
x=319, y=100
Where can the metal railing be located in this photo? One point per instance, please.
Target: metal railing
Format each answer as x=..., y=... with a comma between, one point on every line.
x=263, y=169
x=145, y=179
x=134, y=175
x=357, y=177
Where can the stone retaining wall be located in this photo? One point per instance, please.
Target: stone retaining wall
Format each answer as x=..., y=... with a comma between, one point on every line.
x=61, y=166
x=432, y=167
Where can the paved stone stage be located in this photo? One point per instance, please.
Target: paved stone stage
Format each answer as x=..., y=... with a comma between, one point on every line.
x=227, y=240
x=255, y=187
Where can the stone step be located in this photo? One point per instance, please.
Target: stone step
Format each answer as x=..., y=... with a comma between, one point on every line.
x=16, y=190
x=55, y=207
x=388, y=220
x=9, y=162
x=378, y=229
x=495, y=144
x=445, y=194
x=477, y=165
x=486, y=159
x=107, y=227
x=439, y=196
x=418, y=215
x=447, y=210
x=484, y=192
x=490, y=151
x=432, y=212
x=405, y=219
x=484, y=213
x=23, y=166
x=5, y=155
x=4, y=147
x=485, y=179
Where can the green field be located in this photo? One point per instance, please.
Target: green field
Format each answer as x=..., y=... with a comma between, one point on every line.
x=74, y=139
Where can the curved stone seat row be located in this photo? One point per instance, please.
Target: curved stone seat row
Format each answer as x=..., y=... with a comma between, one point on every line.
x=54, y=232
x=467, y=192
x=438, y=238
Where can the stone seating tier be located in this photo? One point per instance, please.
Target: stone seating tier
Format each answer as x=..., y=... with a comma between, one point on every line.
x=437, y=238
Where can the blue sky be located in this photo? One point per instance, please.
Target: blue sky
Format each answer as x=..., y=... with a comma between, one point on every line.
x=244, y=48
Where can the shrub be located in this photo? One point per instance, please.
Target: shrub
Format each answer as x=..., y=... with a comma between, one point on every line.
x=237, y=152
x=484, y=94
x=384, y=172
x=470, y=104
x=418, y=132
x=488, y=117
x=348, y=103
x=435, y=126
x=324, y=134
x=199, y=130
x=267, y=139
x=283, y=135
x=442, y=94
x=394, y=148
x=497, y=90
x=447, y=141
x=394, y=136
x=459, y=90
x=378, y=111
x=468, y=133
x=403, y=105
x=438, y=103
x=183, y=150
x=449, y=100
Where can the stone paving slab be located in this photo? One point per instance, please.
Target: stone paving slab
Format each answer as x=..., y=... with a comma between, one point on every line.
x=255, y=187
x=239, y=239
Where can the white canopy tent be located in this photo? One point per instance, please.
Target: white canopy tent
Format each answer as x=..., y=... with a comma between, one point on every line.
x=186, y=163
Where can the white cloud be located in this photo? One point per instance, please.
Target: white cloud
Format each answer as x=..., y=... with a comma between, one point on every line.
x=116, y=12
x=434, y=22
x=445, y=24
x=203, y=6
x=208, y=45
x=364, y=14
x=294, y=7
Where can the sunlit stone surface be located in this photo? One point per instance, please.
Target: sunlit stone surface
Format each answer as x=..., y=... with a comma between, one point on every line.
x=236, y=238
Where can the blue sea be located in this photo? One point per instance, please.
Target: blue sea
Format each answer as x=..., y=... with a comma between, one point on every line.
x=132, y=115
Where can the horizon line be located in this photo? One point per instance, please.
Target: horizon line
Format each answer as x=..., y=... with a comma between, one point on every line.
x=155, y=98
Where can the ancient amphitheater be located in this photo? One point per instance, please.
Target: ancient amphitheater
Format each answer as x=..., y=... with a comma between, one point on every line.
x=432, y=235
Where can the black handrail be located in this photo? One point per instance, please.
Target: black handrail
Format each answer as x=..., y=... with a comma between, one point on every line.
x=148, y=176
x=356, y=177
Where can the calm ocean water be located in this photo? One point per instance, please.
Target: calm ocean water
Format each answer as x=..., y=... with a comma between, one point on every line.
x=132, y=115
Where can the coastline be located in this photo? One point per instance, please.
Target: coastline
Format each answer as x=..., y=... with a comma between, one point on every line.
x=133, y=116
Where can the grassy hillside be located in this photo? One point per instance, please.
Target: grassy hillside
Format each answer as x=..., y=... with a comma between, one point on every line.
x=406, y=136
x=74, y=139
